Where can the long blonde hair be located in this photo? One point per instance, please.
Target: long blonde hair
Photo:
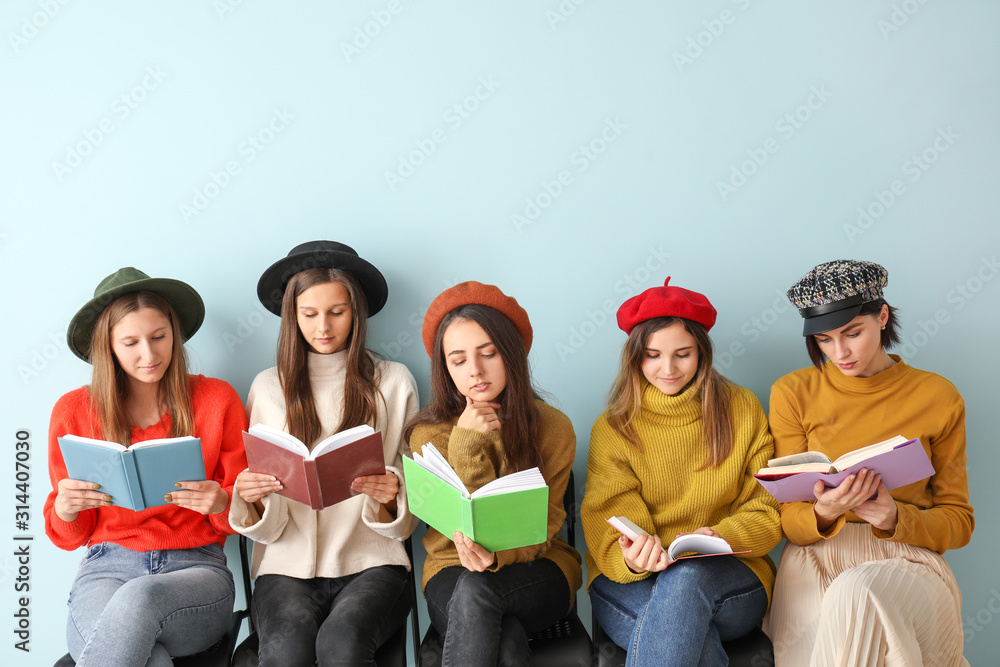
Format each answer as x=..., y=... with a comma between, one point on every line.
x=361, y=393
x=109, y=386
x=709, y=387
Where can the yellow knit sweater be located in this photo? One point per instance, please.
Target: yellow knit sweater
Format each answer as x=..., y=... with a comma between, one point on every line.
x=661, y=489
x=477, y=458
x=832, y=413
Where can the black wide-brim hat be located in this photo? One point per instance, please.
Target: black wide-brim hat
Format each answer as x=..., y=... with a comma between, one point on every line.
x=321, y=255
x=185, y=301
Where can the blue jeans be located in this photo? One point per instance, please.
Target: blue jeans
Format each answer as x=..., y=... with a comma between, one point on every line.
x=680, y=616
x=136, y=608
x=328, y=621
x=485, y=617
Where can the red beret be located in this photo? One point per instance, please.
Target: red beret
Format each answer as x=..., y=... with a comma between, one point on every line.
x=473, y=292
x=666, y=301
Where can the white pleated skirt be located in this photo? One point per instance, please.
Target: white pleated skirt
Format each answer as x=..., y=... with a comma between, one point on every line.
x=857, y=601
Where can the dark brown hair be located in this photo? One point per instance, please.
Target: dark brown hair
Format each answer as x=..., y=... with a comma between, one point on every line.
x=889, y=335
x=519, y=413
x=361, y=392
x=109, y=386
x=710, y=388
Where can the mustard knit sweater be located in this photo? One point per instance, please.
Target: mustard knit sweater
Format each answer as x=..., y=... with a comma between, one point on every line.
x=661, y=489
x=477, y=458
x=832, y=413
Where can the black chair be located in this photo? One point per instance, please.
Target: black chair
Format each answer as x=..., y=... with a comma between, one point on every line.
x=390, y=654
x=564, y=644
x=751, y=650
x=219, y=654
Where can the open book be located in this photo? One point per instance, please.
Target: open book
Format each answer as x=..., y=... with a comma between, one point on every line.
x=898, y=460
x=319, y=478
x=137, y=477
x=695, y=545
x=509, y=512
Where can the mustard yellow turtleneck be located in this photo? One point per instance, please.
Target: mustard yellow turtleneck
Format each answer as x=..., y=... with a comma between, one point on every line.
x=663, y=491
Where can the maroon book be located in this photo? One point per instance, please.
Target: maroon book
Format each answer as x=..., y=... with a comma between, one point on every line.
x=319, y=478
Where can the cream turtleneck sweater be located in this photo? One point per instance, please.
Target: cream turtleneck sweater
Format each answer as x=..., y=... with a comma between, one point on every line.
x=662, y=490
x=351, y=536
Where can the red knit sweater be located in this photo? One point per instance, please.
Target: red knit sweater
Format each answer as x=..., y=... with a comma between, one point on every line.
x=219, y=419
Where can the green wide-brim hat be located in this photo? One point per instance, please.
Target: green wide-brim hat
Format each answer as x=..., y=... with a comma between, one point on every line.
x=185, y=301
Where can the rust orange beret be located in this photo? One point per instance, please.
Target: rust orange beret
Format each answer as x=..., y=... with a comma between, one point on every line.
x=666, y=301
x=471, y=292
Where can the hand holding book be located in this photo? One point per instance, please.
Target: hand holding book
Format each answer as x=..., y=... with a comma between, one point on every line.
x=645, y=553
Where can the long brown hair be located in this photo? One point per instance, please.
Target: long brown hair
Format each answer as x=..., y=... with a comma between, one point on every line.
x=361, y=392
x=709, y=387
x=109, y=386
x=519, y=413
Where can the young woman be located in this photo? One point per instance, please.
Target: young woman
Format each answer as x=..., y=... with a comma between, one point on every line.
x=330, y=584
x=674, y=453
x=487, y=420
x=863, y=581
x=153, y=584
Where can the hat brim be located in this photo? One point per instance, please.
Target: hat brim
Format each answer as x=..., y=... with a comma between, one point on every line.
x=183, y=298
x=272, y=283
x=829, y=321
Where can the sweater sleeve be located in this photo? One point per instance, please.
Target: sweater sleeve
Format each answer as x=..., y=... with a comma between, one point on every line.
x=948, y=522
x=558, y=449
x=231, y=460
x=754, y=522
x=72, y=534
x=612, y=490
x=401, y=406
x=798, y=520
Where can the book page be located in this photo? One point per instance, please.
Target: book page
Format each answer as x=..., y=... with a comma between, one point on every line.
x=698, y=543
x=279, y=438
x=783, y=470
x=859, y=455
x=99, y=443
x=338, y=440
x=160, y=441
x=798, y=459
x=517, y=481
x=432, y=461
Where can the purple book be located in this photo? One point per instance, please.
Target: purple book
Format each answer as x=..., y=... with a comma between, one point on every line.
x=904, y=464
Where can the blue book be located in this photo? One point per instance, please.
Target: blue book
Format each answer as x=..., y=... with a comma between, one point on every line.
x=136, y=477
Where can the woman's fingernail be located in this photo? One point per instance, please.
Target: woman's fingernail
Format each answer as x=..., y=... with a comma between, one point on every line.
x=168, y=497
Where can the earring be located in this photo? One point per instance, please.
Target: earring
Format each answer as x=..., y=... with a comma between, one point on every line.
x=883, y=327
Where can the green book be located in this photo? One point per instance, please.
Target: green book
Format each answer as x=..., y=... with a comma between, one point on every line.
x=509, y=512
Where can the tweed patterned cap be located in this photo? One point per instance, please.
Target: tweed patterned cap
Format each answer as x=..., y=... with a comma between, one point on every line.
x=832, y=294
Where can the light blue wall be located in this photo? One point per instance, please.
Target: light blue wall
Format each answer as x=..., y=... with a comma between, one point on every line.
x=572, y=158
